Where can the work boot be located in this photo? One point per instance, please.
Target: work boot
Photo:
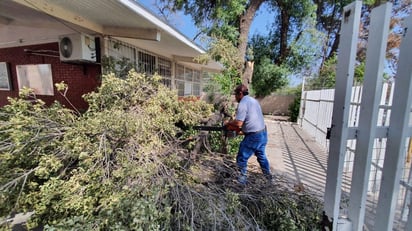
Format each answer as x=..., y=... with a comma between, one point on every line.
x=270, y=179
x=242, y=179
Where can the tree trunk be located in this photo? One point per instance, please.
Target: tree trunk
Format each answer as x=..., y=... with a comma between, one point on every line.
x=248, y=73
x=244, y=27
x=284, y=29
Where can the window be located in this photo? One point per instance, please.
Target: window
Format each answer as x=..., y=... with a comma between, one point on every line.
x=5, y=83
x=37, y=77
x=124, y=55
x=188, y=75
x=196, y=89
x=188, y=81
x=180, y=72
x=165, y=70
x=146, y=63
x=121, y=50
x=180, y=85
x=180, y=80
x=196, y=83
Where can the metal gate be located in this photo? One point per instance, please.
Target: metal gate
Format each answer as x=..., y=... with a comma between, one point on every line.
x=362, y=136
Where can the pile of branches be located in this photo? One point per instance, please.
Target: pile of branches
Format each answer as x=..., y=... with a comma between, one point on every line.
x=125, y=165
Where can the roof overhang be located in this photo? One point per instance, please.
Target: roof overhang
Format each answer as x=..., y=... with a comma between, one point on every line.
x=125, y=20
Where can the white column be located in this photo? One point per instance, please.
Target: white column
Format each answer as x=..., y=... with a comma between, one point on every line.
x=105, y=43
x=371, y=94
x=173, y=77
x=397, y=133
x=344, y=80
x=302, y=107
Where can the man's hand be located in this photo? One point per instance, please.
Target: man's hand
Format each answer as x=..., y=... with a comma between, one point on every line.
x=234, y=125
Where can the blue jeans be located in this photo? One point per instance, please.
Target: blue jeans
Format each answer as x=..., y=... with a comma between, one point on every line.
x=253, y=144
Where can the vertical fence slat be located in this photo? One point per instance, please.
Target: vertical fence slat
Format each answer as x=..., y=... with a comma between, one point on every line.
x=398, y=130
x=409, y=221
x=372, y=88
x=344, y=79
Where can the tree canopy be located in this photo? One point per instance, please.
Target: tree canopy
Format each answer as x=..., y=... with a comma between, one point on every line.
x=304, y=34
x=231, y=20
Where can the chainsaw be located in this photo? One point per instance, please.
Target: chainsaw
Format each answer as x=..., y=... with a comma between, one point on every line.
x=229, y=131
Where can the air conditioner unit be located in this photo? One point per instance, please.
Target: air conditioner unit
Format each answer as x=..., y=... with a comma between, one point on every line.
x=77, y=48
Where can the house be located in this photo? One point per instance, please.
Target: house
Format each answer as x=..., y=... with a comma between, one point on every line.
x=43, y=42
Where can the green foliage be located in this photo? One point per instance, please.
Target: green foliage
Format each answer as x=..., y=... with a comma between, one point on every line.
x=263, y=47
x=223, y=51
x=326, y=78
x=267, y=54
x=70, y=167
x=327, y=75
x=216, y=142
x=301, y=55
x=293, y=27
x=294, y=108
x=215, y=18
x=359, y=72
x=227, y=82
x=119, y=67
x=268, y=77
x=128, y=210
x=122, y=166
x=290, y=211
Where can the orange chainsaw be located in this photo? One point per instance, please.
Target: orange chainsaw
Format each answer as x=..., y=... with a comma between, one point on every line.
x=229, y=131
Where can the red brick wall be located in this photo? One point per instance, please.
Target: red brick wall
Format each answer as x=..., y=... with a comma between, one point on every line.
x=81, y=78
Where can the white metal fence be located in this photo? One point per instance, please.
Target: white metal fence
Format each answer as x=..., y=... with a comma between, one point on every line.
x=316, y=117
x=368, y=177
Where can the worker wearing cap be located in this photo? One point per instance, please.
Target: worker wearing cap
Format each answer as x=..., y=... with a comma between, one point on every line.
x=249, y=118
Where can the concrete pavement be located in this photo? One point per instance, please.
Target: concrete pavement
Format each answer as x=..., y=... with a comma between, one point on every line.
x=294, y=155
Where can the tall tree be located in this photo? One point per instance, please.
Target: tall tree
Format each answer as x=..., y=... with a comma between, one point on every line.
x=293, y=42
x=286, y=46
x=328, y=20
x=290, y=23
x=401, y=9
x=230, y=20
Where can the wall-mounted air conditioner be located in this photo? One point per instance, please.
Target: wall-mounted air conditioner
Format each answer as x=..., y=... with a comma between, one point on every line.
x=77, y=48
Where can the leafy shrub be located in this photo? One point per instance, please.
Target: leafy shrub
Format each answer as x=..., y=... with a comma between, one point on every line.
x=121, y=165
x=294, y=107
x=90, y=167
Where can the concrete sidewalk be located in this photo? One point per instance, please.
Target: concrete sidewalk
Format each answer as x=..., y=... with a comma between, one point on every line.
x=294, y=155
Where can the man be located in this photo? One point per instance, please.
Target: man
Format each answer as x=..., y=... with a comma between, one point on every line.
x=249, y=118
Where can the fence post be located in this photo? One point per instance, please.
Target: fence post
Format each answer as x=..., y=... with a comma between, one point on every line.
x=339, y=127
x=372, y=89
x=397, y=133
x=301, y=117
